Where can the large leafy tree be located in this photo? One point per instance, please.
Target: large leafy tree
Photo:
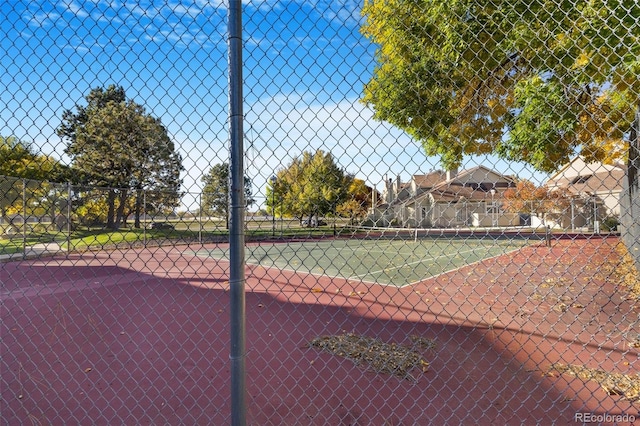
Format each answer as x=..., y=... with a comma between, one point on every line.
x=540, y=201
x=114, y=143
x=533, y=81
x=358, y=201
x=311, y=185
x=21, y=165
x=215, y=194
x=19, y=159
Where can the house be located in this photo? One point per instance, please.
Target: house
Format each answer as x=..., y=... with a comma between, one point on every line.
x=595, y=189
x=446, y=199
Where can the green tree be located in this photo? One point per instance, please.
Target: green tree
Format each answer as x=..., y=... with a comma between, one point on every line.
x=310, y=186
x=532, y=81
x=19, y=159
x=215, y=194
x=91, y=206
x=16, y=158
x=114, y=143
x=358, y=201
x=21, y=165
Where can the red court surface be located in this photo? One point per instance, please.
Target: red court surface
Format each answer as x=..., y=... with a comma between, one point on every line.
x=142, y=337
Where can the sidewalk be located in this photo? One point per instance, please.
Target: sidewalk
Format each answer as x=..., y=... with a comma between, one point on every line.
x=34, y=251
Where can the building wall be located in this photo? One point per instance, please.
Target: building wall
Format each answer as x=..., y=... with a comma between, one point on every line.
x=498, y=220
x=611, y=202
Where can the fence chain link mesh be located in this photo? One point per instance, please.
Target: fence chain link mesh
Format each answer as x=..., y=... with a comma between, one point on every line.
x=441, y=221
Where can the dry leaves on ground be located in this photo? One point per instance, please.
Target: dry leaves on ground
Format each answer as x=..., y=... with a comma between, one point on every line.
x=623, y=271
x=389, y=358
x=626, y=385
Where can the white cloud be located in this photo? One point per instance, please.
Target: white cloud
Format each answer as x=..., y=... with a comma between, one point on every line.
x=77, y=9
x=43, y=19
x=343, y=11
x=173, y=21
x=279, y=129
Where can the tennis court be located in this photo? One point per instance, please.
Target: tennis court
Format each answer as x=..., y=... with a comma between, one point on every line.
x=390, y=261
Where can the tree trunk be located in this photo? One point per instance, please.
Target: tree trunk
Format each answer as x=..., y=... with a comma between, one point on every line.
x=52, y=212
x=120, y=218
x=138, y=208
x=111, y=211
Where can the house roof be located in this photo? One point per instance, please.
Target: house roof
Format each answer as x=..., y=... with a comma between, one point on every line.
x=462, y=185
x=456, y=191
x=579, y=177
x=609, y=181
x=423, y=182
x=430, y=179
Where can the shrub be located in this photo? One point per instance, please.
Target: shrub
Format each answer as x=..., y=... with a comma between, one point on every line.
x=610, y=224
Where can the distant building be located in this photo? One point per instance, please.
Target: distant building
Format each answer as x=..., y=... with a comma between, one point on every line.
x=446, y=199
x=596, y=189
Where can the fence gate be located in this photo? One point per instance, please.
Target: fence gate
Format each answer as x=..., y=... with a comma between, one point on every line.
x=436, y=222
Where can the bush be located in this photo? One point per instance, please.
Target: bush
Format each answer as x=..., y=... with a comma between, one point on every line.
x=39, y=228
x=162, y=225
x=368, y=222
x=395, y=223
x=610, y=224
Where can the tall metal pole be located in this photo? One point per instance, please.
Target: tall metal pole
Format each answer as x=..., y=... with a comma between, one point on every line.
x=273, y=205
x=200, y=220
x=493, y=208
x=144, y=209
x=24, y=218
x=631, y=224
x=236, y=225
x=69, y=224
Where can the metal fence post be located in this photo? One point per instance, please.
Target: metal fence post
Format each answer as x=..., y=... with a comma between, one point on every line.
x=24, y=218
x=144, y=209
x=200, y=220
x=236, y=228
x=630, y=205
x=69, y=227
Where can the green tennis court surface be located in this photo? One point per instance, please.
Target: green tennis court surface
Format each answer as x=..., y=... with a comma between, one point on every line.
x=390, y=262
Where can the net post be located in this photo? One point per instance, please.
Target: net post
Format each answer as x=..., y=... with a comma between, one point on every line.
x=547, y=236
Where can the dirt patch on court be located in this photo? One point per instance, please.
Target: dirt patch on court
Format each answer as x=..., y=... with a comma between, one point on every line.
x=381, y=357
x=626, y=385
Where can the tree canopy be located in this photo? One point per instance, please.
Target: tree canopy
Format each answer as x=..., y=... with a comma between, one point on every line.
x=311, y=185
x=532, y=81
x=358, y=201
x=114, y=143
x=215, y=194
x=18, y=161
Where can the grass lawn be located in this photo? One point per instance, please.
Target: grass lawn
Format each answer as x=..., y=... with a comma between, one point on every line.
x=183, y=231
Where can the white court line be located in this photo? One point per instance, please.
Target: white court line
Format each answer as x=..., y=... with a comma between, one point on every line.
x=360, y=277
x=464, y=266
x=405, y=264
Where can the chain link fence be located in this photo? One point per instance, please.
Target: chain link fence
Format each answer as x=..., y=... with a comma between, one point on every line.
x=440, y=217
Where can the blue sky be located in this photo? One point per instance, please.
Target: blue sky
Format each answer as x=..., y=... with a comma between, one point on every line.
x=305, y=67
